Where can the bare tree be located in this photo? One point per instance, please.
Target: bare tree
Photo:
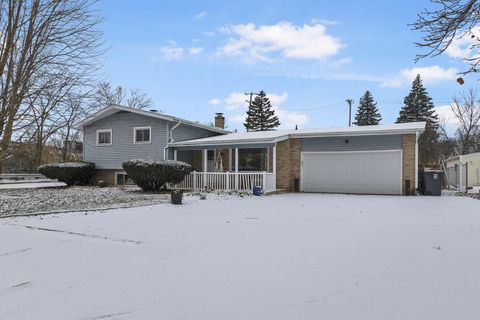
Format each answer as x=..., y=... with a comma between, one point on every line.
x=38, y=38
x=451, y=20
x=106, y=94
x=467, y=111
x=78, y=107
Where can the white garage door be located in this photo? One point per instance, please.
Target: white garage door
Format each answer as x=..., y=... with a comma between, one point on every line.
x=368, y=172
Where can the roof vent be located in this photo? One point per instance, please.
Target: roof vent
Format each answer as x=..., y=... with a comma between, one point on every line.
x=154, y=110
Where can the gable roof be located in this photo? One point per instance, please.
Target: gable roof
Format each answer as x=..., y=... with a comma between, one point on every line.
x=114, y=108
x=258, y=137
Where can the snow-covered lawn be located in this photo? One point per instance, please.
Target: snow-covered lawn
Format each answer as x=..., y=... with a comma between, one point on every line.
x=293, y=256
x=24, y=201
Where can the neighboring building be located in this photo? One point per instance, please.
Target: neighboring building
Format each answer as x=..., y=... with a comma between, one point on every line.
x=464, y=169
x=370, y=159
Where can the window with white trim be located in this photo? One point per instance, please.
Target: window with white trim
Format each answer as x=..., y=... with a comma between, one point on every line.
x=104, y=137
x=142, y=135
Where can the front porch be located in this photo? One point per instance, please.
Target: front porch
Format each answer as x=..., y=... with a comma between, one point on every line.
x=228, y=168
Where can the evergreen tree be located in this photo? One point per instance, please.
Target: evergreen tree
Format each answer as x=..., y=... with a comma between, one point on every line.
x=418, y=106
x=367, y=112
x=260, y=116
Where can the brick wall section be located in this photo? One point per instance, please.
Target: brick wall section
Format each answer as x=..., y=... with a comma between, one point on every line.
x=105, y=174
x=408, y=161
x=288, y=163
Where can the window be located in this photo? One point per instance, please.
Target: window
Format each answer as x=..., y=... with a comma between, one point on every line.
x=121, y=179
x=104, y=137
x=141, y=135
x=252, y=159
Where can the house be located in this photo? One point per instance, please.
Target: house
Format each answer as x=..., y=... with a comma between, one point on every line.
x=378, y=159
x=117, y=133
x=464, y=169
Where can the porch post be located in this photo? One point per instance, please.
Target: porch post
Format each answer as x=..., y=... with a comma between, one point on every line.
x=236, y=168
x=175, y=154
x=274, y=164
x=205, y=165
x=274, y=160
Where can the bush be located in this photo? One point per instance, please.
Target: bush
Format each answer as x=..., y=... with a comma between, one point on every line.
x=151, y=175
x=72, y=173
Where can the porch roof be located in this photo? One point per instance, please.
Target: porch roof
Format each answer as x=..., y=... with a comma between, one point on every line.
x=264, y=137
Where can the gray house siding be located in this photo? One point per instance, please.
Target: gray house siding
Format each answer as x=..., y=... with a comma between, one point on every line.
x=123, y=148
x=185, y=132
x=354, y=143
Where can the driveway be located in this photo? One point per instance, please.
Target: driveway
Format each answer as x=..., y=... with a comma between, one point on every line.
x=293, y=256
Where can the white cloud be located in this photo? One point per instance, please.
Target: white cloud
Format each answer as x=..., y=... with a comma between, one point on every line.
x=215, y=101
x=169, y=52
x=284, y=39
x=341, y=62
x=430, y=75
x=461, y=47
x=195, y=50
x=201, y=15
x=326, y=22
x=290, y=119
x=447, y=117
x=237, y=101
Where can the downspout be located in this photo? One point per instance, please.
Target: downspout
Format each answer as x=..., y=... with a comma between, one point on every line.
x=169, y=140
x=171, y=130
x=416, y=160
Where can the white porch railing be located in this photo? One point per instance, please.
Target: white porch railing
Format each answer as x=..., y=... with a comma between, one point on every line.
x=226, y=181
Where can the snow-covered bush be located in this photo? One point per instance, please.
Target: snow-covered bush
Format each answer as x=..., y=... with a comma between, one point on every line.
x=151, y=175
x=72, y=173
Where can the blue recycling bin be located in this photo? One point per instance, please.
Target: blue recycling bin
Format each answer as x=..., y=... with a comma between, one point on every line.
x=257, y=191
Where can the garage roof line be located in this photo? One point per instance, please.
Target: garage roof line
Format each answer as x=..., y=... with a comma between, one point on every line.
x=258, y=137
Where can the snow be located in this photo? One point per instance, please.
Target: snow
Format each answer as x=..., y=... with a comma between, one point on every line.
x=66, y=165
x=290, y=256
x=22, y=184
x=25, y=201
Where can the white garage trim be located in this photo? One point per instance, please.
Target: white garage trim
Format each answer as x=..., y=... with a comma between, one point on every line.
x=399, y=151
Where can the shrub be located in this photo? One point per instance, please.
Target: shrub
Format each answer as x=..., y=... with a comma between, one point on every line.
x=72, y=173
x=151, y=175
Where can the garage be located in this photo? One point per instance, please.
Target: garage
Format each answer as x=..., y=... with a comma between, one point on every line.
x=363, y=172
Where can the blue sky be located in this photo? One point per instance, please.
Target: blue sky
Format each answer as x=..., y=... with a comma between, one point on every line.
x=195, y=58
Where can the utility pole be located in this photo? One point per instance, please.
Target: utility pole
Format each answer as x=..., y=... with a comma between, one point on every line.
x=349, y=101
x=250, y=94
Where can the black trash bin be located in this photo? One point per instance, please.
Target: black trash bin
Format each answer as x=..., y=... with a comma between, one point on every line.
x=431, y=182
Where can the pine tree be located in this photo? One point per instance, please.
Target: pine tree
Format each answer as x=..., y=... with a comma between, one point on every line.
x=418, y=106
x=367, y=112
x=260, y=115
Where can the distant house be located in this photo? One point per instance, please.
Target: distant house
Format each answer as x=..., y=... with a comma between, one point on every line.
x=464, y=169
x=369, y=160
